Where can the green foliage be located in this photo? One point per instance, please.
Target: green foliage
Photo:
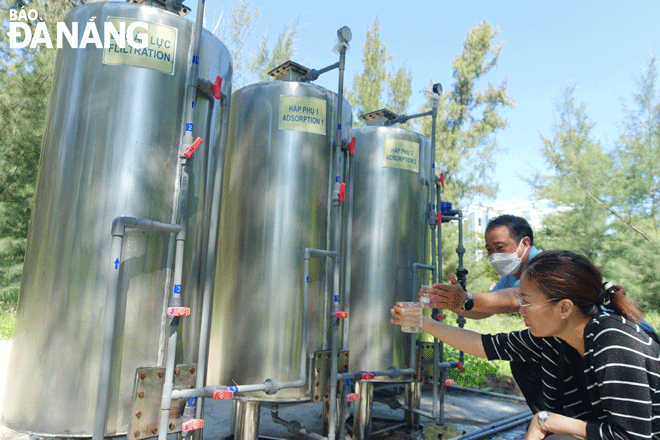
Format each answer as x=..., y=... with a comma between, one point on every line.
x=609, y=199
x=237, y=30
x=264, y=60
x=477, y=369
x=368, y=87
x=25, y=79
x=468, y=118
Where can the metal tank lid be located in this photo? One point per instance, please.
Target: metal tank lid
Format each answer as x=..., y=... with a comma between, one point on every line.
x=378, y=117
x=175, y=6
x=288, y=71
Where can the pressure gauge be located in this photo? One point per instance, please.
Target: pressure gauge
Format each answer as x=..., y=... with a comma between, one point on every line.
x=344, y=34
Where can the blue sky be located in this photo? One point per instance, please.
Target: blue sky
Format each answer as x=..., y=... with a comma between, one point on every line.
x=599, y=46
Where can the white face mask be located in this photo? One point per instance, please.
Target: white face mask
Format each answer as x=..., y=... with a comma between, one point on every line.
x=506, y=264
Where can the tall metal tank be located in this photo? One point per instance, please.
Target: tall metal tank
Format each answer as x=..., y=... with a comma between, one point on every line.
x=276, y=192
x=392, y=169
x=111, y=144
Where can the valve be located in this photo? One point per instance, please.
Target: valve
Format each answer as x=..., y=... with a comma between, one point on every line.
x=368, y=376
x=449, y=382
x=441, y=179
x=351, y=146
x=460, y=367
x=192, y=425
x=342, y=192
x=217, y=88
x=341, y=315
x=441, y=316
x=178, y=311
x=352, y=397
x=438, y=219
x=193, y=147
x=223, y=394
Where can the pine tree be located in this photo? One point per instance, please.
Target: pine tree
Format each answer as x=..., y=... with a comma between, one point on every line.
x=468, y=118
x=369, y=86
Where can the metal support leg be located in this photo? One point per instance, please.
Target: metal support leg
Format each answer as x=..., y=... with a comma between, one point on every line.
x=246, y=419
x=412, y=399
x=362, y=414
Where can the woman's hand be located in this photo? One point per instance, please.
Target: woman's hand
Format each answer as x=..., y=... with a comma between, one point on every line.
x=535, y=431
x=397, y=312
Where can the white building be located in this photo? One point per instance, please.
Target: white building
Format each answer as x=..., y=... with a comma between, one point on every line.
x=476, y=217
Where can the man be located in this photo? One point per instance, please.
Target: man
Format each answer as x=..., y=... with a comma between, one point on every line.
x=510, y=244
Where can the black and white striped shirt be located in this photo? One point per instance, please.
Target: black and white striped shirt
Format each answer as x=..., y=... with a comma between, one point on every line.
x=615, y=387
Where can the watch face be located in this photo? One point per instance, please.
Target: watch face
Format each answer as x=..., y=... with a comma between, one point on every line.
x=468, y=304
x=543, y=415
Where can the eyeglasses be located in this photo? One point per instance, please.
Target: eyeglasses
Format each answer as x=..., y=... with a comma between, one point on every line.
x=523, y=306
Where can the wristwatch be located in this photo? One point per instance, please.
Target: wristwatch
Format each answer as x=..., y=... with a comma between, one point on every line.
x=543, y=416
x=469, y=302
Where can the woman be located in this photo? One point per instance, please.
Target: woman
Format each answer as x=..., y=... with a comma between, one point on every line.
x=601, y=372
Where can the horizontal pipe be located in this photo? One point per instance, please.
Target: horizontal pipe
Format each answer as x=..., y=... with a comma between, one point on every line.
x=498, y=427
x=119, y=225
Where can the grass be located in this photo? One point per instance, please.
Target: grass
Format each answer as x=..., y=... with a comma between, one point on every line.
x=479, y=368
x=7, y=321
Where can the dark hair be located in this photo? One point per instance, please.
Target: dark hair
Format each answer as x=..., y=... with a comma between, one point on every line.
x=568, y=275
x=517, y=226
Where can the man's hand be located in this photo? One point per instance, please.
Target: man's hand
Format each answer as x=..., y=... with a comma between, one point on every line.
x=448, y=296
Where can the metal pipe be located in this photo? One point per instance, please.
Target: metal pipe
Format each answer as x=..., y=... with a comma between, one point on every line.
x=108, y=358
x=335, y=227
x=416, y=267
x=313, y=74
x=499, y=426
x=175, y=301
x=293, y=427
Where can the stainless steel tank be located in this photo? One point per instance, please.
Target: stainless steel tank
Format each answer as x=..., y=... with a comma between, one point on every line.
x=276, y=196
x=392, y=168
x=110, y=148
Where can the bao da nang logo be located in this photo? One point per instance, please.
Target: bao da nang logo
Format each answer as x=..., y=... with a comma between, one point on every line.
x=21, y=35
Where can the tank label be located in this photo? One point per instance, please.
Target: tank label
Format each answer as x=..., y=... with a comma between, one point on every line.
x=401, y=154
x=158, y=54
x=302, y=114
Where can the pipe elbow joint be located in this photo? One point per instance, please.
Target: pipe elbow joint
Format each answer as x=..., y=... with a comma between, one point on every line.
x=119, y=225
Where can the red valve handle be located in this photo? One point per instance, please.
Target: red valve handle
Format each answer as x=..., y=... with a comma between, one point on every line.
x=441, y=316
x=341, y=315
x=192, y=425
x=193, y=147
x=352, y=397
x=351, y=144
x=223, y=395
x=449, y=382
x=342, y=192
x=442, y=179
x=178, y=311
x=368, y=376
x=460, y=367
x=217, y=88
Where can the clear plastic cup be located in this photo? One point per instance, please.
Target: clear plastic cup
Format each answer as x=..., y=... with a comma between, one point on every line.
x=411, y=318
x=425, y=298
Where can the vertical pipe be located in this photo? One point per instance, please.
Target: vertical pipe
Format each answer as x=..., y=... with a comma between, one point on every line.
x=362, y=415
x=441, y=356
x=336, y=231
x=247, y=414
x=412, y=400
x=109, y=342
